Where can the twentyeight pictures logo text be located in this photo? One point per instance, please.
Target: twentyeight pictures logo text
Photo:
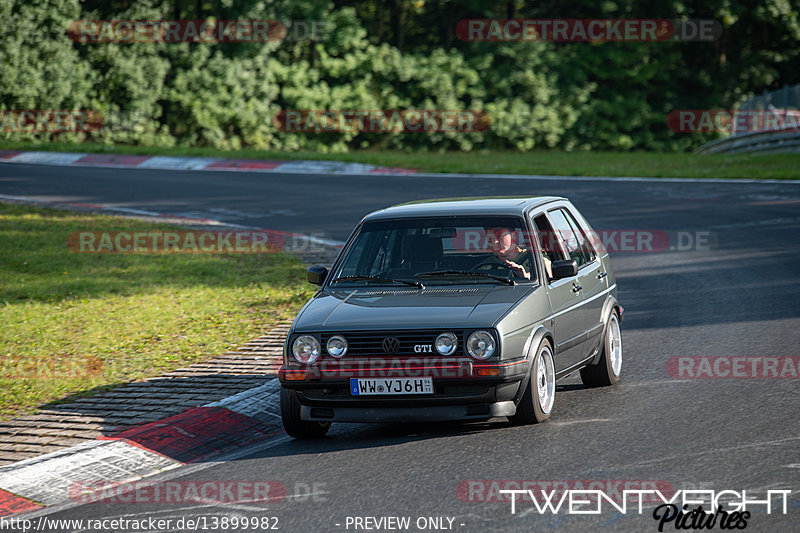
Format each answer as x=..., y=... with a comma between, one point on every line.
x=678, y=509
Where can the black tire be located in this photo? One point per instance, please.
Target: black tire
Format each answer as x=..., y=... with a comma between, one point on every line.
x=531, y=409
x=294, y=426
x=608, y=368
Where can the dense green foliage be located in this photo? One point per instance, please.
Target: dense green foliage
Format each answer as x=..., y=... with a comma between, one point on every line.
x=397, y=54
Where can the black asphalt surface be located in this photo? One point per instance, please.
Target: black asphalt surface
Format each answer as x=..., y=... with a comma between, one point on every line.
x=737, y=296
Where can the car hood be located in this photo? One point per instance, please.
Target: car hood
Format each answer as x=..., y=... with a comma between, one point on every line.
x=388, y=308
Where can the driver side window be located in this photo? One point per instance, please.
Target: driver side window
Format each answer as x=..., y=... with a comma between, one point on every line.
x=549, y=245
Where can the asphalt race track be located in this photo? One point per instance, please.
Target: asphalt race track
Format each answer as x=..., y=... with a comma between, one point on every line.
x=737, y=294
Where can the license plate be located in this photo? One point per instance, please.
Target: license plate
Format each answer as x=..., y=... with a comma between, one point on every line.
x=390, y=386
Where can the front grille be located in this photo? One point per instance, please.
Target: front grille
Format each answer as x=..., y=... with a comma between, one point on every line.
x=371, y=343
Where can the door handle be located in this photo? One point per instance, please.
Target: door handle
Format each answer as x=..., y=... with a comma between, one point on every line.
x=576, y=288
x=601, y=275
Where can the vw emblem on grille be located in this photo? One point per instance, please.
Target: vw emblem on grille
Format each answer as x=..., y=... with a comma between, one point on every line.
x=391, y=345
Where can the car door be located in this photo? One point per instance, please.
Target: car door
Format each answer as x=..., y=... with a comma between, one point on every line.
x=568, y=320
x=591, y=278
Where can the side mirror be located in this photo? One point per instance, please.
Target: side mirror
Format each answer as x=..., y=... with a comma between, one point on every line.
x=564, y=268
x=317, y=274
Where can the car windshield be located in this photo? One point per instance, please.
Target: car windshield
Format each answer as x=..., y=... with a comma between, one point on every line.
x=442, y=250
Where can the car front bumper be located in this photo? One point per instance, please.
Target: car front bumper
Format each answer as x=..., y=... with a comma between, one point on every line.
x=460, y=393
x=435, y=413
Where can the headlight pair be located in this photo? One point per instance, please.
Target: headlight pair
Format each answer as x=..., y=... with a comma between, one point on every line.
x=306, y=348
x=480, y=345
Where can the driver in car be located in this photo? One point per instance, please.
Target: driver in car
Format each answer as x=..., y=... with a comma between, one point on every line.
x=504, y=244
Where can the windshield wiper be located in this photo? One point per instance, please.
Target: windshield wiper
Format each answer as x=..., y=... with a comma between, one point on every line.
x=416, y=284
x=467, y=273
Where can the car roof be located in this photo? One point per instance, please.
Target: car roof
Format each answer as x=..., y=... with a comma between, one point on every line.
x=492, y=205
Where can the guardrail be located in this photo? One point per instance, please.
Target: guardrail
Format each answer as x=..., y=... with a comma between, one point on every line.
x=779, y=105
x=765, y=142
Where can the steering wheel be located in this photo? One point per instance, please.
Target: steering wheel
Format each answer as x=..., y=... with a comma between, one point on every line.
x=494, y=267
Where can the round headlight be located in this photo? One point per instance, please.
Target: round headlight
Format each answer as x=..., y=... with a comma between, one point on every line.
x=305, y=349
x=446, y=343
x=337, y=346
x=481, y=345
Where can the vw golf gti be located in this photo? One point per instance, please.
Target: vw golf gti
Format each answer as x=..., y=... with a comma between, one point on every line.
x=457, y=309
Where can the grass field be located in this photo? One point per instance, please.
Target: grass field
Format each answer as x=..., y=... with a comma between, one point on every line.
x=647, y=164
x=71, y=322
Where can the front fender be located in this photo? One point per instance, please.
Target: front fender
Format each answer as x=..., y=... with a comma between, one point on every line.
x=531, y=347
x=610, y=304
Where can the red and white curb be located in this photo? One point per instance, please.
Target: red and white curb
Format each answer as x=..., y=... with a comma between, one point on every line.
x=194, y=163
x=315, y=167
x=198, y=434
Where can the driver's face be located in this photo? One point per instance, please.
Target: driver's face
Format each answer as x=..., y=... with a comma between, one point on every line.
x=501, y=240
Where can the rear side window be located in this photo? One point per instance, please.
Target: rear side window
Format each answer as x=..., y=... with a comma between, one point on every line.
x=573, y=237
x=583, y=236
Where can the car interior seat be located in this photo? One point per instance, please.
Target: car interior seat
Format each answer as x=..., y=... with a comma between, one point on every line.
x=422, y=253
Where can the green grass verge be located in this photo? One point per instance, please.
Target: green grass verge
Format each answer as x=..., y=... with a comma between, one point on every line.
x=74, y=323
x=646, y=164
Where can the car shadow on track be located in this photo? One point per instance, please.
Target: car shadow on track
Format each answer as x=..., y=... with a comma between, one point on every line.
x=349, y=436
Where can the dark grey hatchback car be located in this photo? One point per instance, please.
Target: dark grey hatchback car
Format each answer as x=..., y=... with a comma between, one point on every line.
x=463, y=309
